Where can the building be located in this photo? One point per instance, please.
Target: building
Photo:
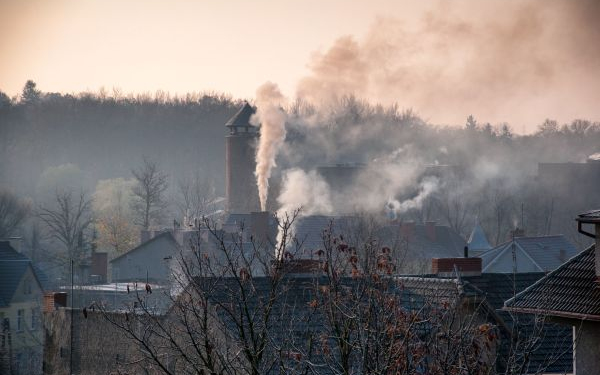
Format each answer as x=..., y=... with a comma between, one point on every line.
x=21, y=298
x=536, y=346
x=240, y=148
x=570, y=295
x=529, y=254
x=412, y=244
x=150, y=260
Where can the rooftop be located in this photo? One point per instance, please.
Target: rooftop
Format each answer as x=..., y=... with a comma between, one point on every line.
x=242, y=117
x=570, y=291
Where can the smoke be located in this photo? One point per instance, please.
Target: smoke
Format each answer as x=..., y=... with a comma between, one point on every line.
x=428, y=186
x=307, y=191
x=515, y=61
x=271, y=117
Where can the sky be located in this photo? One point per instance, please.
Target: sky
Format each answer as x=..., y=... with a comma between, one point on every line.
x=513, y=61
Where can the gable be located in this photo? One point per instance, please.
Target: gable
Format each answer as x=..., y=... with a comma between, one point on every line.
x=163, y=244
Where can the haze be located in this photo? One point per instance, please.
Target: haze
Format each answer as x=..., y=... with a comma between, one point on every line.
x=515, y=62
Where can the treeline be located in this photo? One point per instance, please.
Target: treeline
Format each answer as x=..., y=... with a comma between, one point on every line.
x=107, y=135
x=95, y=136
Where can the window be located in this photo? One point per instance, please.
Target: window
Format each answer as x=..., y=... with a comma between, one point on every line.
x=34, y=319
x=20, y=319
x=27, y=286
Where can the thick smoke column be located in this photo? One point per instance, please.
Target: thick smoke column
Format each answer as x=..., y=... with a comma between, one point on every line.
x=271, y=117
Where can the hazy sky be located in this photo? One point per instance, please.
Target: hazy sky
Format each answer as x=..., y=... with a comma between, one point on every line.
x=234, y=46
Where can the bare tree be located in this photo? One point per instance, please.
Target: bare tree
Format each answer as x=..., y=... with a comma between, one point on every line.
x=223, y=319
x=149, y=201
x=68, y=220
x=196, y=195
x=13, y=212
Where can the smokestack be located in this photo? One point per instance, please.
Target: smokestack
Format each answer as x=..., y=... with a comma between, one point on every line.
x=466, y=251
x=593, y=218
x=240, y=184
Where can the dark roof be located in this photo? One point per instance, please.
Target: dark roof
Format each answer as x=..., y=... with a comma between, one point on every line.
x=165, y=234
x=13, y=266
x=570, y=291
x=544, y=253
x=242, y=117
x=416, y=292
x=8, y=253
x=589, y=217
x=553, y=353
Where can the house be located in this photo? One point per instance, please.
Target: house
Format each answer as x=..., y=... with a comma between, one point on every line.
x=294, y=322
x=149, y=261
x=537, y=346
x=570, y=295
x=21, y=297
x=529, y=254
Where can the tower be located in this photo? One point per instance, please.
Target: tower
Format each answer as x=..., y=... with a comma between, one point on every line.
x=240, y=149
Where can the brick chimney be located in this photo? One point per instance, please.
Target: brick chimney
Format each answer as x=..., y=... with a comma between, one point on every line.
x=593, y=218
x=444, y=267
x=54, y=300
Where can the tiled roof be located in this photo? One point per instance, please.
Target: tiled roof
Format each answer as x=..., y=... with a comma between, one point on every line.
x=242, y=117
x=553, y=353
x=540, y=253
x=569, y=291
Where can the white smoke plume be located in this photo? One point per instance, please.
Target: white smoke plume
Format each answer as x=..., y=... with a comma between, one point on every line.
x=307, y=191
x=271, y=117
x=428, y=186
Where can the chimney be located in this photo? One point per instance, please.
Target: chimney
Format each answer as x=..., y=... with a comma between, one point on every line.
x=407, y=230
x=259, y=226
x=53, y=301
x=466, y=252
x=444, y=267
x=100, y=265
x=430, y=230
x=517, y=232
x=593, y=218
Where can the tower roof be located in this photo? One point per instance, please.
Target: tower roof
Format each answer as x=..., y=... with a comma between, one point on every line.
x=242, y=117
x=478, y=240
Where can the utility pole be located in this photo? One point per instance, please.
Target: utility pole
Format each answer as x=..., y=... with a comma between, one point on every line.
x=72, y=325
